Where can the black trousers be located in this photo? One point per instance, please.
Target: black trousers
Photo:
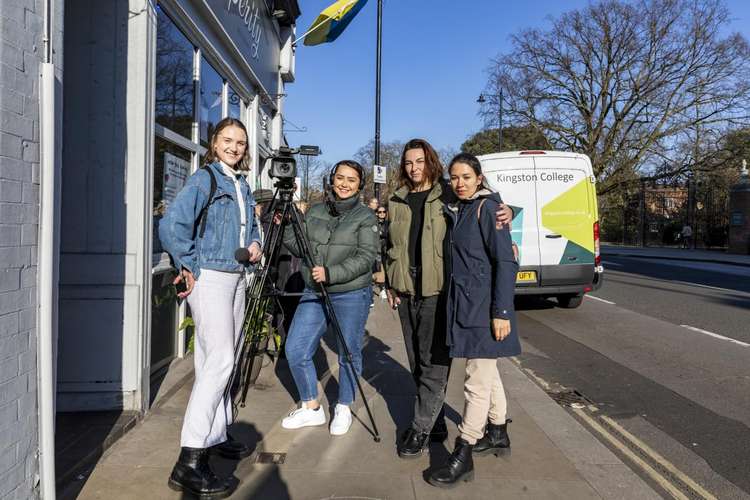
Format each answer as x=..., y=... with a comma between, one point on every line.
x=423, y=324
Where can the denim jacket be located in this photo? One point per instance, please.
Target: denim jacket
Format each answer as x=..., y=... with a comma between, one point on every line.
x=178, y=229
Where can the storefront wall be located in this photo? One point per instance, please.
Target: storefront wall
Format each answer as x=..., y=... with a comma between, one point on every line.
x=148, y=83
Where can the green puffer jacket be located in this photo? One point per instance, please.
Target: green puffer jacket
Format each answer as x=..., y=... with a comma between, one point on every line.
x=433, y=235
x=346, y=245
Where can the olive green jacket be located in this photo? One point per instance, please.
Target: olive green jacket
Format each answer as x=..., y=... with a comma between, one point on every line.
x=346, y=245
x=433, y=235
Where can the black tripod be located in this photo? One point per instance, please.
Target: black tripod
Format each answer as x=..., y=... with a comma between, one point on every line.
x=261, y=291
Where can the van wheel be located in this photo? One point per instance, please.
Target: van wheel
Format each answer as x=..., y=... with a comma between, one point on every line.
x=570, y=301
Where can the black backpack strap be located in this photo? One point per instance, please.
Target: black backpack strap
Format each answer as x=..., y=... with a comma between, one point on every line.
x=202, y=216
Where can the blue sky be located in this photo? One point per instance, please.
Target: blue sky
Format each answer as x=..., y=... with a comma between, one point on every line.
x=434, y=59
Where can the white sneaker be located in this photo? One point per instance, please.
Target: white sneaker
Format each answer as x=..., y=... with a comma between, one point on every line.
x=342, y=420
x=304, y=417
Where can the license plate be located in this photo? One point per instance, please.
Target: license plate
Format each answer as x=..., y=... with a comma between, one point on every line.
x=526, y=277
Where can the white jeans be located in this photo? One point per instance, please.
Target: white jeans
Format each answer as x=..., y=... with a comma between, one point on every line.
x=217, y=304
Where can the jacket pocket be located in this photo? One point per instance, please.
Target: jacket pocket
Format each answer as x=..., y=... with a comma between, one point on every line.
x=214, y=240
x=472, y=306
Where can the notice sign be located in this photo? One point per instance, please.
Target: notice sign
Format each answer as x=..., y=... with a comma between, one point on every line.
x=176, y=172
x=379, y=174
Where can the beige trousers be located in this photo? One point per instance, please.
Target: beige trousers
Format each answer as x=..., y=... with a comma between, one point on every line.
x=484, y=396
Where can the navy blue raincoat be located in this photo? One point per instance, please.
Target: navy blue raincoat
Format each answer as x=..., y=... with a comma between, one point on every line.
x=482, y=282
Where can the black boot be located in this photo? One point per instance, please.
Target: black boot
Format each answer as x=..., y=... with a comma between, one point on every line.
x=231, y=448
x=192, y=474
x=495, y=440
x=412, y=443
x=439, y=432
x=460, y=467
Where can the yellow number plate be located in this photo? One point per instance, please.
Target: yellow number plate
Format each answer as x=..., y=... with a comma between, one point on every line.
x=526, y=277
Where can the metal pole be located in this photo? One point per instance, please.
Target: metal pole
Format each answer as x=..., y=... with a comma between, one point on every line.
x=378, y=57
x=307, y=178
x=500, y=131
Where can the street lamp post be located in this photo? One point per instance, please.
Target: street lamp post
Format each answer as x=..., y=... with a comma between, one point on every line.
x=482, y=100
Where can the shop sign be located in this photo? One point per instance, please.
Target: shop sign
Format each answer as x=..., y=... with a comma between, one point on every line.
x=250, y=25
x=176, y=171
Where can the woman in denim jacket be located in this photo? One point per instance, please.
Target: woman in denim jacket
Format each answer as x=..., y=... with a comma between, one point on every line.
x=201, y=235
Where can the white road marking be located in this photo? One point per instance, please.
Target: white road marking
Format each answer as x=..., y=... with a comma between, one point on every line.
x=716, y=335
x=600, y=300
x=612, y=263
x=706, y=286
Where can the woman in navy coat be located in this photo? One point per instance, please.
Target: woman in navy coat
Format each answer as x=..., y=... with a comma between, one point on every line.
x=481, y=319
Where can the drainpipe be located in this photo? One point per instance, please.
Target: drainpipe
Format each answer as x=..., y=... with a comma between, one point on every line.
x=47, y=268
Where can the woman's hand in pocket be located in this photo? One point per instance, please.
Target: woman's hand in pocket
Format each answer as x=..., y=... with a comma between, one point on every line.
x=500, y=328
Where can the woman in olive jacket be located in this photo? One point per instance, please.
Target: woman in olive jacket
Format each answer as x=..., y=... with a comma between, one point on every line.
x=344, y=241
x=481, y=322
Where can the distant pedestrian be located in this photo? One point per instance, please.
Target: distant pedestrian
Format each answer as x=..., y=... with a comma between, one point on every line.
x=373, y=203
x=210, y=217
x=480, y=316
x=383, y=224
x=687, y=235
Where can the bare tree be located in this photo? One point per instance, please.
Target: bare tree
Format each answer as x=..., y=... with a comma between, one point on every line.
x=642, y=87
x=390, y=157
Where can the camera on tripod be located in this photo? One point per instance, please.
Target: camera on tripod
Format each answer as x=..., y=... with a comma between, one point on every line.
x=284, y=165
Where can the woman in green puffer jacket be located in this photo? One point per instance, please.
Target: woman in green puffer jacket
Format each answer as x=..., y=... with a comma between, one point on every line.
x=344, y=241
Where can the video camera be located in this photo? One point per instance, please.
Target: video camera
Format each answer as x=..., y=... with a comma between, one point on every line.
x=284, y=165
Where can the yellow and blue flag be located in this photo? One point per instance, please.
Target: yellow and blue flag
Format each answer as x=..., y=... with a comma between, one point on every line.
x=332, y=21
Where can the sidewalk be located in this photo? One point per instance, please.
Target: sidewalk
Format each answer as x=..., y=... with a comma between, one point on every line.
x=713, y=256
x=553, y=456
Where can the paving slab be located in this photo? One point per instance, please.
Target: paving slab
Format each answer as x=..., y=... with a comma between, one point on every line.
x=552, y=456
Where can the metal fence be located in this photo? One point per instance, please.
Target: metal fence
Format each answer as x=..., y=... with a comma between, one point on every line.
x=656, y=214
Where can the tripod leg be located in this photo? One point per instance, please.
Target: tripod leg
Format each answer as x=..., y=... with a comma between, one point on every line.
x=331, y=313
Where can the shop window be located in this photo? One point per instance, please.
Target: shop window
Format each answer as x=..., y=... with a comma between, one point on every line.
x=174, y=77
x=211, y=100
x=235, y=104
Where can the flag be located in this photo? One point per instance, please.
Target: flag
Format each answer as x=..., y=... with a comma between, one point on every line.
x=332, y=21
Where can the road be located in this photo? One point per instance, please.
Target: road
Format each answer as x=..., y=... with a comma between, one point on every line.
x=663, y=349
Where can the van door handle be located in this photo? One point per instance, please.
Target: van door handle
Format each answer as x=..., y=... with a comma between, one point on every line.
x=553, y=236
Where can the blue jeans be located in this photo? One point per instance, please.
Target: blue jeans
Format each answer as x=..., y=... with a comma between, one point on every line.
x=309, y=325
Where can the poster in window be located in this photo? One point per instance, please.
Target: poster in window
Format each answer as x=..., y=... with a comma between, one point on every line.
x=176, y=171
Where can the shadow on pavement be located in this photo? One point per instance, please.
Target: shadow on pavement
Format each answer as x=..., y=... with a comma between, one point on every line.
x=272, y=485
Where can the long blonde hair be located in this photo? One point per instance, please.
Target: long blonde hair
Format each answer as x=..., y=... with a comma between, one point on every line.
x=244, y=163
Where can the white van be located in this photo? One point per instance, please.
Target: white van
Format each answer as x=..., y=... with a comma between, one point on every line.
x=555, y=222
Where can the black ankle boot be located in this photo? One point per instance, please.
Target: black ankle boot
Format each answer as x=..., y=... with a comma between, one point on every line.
x=412, y=444
x=439, y=432
x=192, y=474
x=231, y=448
x=495, y=440
x=460, y=467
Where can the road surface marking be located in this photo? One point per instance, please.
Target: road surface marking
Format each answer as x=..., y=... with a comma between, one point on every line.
x=600, y=300
x=644, y=466
x=612, y=263
x=658, y=458
x=716, y=335
x=707, y=286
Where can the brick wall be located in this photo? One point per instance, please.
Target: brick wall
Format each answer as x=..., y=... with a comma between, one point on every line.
x=21, y=31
